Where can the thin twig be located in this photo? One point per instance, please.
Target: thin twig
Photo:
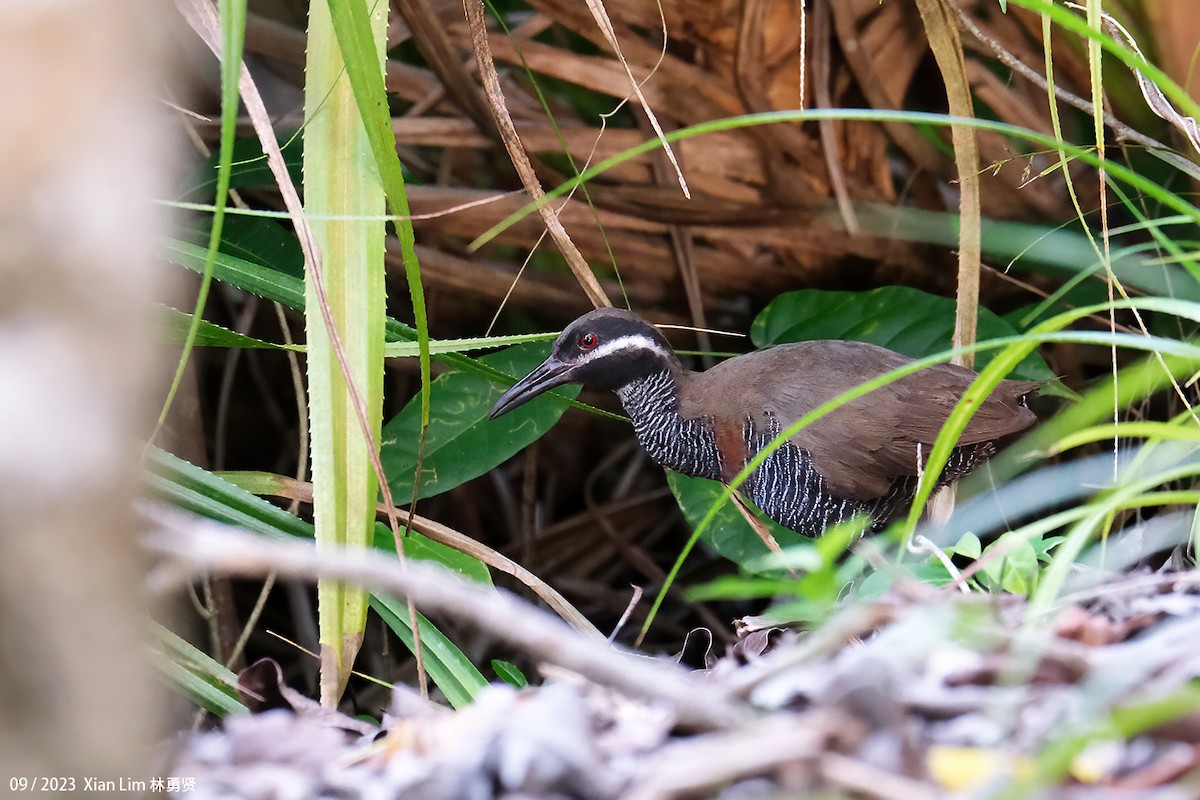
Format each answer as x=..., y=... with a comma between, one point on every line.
x=689, y=767
x=301, y=491
x=516, y=151
x=193, y=545
x=1123, y=131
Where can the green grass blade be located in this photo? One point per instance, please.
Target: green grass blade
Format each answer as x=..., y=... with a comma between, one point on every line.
x=177, y=325
x=192, y=673
x=196, y=490
x=341, y=190
x=1115, y=171
x=233, y=32
x=452, y=671
x=271, y=284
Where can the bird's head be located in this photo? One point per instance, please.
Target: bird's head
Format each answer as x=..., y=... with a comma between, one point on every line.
x=604, y=349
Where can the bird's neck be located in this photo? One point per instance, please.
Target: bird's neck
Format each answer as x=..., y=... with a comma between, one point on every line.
x=673, y=441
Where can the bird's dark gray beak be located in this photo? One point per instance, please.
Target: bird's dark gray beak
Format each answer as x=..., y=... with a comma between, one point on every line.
x=546, y=376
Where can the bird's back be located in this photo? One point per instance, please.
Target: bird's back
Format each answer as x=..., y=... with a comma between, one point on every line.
x=862, y=447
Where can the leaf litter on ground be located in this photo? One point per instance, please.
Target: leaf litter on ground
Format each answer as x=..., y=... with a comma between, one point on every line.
x=959, y=696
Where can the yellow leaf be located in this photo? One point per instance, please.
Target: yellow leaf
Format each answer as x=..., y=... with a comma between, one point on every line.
x=959, y=769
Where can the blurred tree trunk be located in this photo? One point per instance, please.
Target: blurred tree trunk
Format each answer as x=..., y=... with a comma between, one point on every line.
x=83, y=155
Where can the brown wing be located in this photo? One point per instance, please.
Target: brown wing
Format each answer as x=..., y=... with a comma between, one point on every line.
x=861, y=447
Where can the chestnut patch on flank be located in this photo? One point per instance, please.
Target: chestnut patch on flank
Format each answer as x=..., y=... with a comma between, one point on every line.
x=732, y=447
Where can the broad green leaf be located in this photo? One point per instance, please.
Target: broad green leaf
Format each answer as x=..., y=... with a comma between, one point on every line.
x=1042, y=546
x=741, y=587
x=800, y=557
x=249, y=168
x=967, y=546
x=876, y=583
x=1070, y=295
x=1016, y=570
x=461, y=442
x=729, y=534
x=263, y=241
x=903, y=319
x=423, y=548
x=509, y=673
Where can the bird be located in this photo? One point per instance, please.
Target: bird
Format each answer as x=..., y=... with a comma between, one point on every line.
x=863, y=458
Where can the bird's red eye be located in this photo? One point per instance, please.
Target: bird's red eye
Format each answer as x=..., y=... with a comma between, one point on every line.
x=588, y=340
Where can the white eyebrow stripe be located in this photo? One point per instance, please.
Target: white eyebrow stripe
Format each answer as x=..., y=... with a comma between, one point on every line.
x=632, y=341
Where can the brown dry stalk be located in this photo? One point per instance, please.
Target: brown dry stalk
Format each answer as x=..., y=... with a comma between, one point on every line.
x=610, y=35
x=822, y=88
x=699, y=765
x=302, y=491
x=941, y=27
x=516, y=151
